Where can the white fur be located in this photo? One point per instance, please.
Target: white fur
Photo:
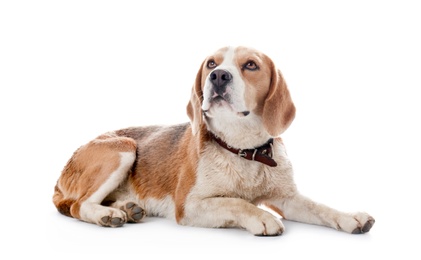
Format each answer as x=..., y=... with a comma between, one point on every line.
x=216, y=201
x=159, y=207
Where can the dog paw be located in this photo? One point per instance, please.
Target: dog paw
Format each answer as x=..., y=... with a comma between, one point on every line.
x=358, y=223
x=134, y=213
x=265, y=225
x=108, y=221
x=114, y=218
x=365, y=223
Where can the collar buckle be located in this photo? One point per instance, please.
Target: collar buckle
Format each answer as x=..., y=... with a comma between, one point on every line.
x=242, y=153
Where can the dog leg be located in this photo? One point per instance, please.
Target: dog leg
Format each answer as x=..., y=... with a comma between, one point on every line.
x=231, y=212
x=94, y=172
x=301, y=209
x=91, y=209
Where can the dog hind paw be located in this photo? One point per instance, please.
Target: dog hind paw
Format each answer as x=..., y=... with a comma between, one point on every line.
x=134, y=213
x=108, y=221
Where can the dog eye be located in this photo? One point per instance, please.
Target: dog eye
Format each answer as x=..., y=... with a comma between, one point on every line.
x=250, y=65
x=211, y=64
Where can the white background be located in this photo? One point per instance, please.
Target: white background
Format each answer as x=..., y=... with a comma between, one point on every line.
x=71, y=70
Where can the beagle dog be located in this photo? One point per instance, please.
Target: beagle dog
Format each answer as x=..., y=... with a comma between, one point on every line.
x=215, y=171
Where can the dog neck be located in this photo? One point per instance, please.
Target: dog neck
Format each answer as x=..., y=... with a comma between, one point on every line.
x=242, y=133
x=263, y=153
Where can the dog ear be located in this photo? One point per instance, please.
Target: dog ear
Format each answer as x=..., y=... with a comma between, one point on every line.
x=278, y=108
x=194, y=107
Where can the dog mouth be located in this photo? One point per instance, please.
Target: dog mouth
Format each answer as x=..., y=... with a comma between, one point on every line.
x=223, y=101
x=218, y=99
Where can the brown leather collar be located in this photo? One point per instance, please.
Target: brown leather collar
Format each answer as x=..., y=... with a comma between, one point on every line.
x=263, y=154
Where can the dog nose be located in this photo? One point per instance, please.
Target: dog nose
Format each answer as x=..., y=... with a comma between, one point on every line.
x=220, y=79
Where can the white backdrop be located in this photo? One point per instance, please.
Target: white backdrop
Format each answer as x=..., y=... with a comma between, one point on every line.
x=70, y=70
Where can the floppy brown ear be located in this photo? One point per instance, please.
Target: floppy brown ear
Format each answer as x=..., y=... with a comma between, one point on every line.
x=194, y=107
x=278, y=109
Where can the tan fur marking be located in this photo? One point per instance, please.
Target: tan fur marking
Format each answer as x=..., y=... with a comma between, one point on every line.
x=278, y=108
x=188, y=171
x=258, y=81
x=194, y=110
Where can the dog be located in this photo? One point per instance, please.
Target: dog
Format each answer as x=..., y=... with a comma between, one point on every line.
x=215, y=171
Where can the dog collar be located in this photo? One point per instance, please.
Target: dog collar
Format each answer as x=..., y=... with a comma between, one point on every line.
x=263, y=154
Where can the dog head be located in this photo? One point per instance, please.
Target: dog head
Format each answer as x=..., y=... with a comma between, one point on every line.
x=240, y=86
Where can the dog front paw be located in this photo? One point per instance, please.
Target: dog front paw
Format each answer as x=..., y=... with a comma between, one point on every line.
x=265, y=225
x=357, y=223
x=365, y=223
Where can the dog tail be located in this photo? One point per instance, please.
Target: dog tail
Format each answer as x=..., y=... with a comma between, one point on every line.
x=63, y=205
